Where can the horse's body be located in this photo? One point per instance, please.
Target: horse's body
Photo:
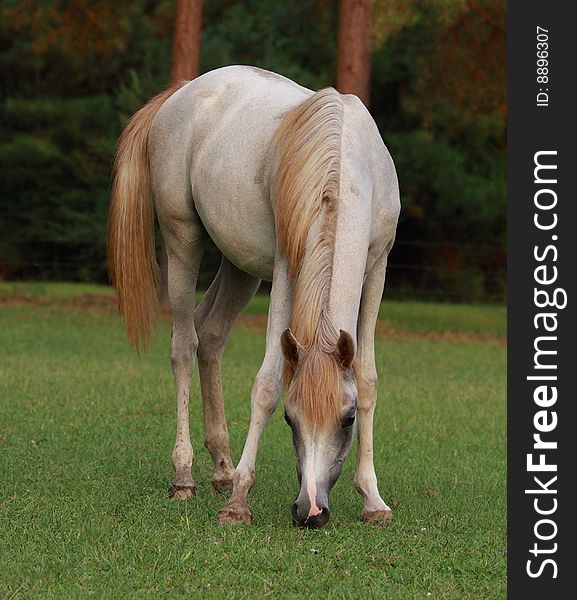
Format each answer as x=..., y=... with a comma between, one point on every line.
x=292, y=187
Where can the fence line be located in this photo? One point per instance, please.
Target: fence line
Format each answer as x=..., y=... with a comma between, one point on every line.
x=390, y=266
x=415, y=243
x=404, y=279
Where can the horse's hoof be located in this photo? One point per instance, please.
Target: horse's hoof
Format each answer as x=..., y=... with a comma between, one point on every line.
x=234, y=515
x=384, y=517
x=222, y=483
x=181, y=492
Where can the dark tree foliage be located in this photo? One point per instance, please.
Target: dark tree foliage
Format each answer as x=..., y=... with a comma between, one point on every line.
x=72, y=72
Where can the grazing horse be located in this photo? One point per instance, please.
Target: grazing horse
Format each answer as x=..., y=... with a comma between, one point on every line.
x=294, y=187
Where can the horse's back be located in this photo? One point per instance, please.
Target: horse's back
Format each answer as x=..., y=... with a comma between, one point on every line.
x=212, y=140
x=211, y=151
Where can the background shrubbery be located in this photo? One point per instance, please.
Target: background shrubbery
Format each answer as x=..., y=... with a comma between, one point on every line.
x=72, y=72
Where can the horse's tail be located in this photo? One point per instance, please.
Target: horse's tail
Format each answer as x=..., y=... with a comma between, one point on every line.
x=132, y=261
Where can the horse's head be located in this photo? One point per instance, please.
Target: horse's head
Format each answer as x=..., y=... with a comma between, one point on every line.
x=320, y=409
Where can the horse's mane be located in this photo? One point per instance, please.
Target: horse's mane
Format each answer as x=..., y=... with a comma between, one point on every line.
x=307, y=197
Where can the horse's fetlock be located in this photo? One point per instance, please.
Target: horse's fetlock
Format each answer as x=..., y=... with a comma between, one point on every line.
x=244, y=479
x=364, y=483
x=361, y=487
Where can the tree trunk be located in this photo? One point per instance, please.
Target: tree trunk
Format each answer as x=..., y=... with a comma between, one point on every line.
x=354, y=48
x=186, y=40
x=185, y=66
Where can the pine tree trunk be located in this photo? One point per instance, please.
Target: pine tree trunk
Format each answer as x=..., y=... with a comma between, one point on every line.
x=354, y=48
x=186, y=40
x=185, y=66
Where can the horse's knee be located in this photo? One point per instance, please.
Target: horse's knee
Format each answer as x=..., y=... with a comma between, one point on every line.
x=266, y=392
x=368, y=386
x=182, y=352
x=216, y=442
x=182, y=360
x=210, y=345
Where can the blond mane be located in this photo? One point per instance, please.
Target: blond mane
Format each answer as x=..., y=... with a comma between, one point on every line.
x=307, y=190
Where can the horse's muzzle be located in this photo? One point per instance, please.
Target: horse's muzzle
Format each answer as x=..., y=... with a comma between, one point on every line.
x=301, y=518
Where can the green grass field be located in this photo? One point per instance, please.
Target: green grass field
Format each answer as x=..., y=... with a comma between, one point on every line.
x=86, y=433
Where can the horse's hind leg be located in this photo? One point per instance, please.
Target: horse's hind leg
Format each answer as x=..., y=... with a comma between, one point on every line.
x=228, y=294
x=183, y=239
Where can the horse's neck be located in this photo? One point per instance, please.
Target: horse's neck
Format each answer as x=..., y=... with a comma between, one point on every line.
x=328, y=291
x=349, y=261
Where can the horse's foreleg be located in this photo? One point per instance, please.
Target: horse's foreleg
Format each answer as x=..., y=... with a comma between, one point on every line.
x=184, y=250
x=264, y=399
x=228, y=294
x=365, y=479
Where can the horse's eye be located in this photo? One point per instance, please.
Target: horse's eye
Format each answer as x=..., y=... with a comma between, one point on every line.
x=348, y=420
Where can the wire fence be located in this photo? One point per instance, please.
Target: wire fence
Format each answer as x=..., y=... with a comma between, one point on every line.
x=427, y=278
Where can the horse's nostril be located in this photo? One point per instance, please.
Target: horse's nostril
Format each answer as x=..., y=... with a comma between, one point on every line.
x=319, y=520
x=313, y=522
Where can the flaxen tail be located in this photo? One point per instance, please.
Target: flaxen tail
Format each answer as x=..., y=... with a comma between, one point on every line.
x=131, y=249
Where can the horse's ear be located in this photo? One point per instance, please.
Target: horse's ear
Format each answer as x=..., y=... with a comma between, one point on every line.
x=345, y=350
x=291, y=349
